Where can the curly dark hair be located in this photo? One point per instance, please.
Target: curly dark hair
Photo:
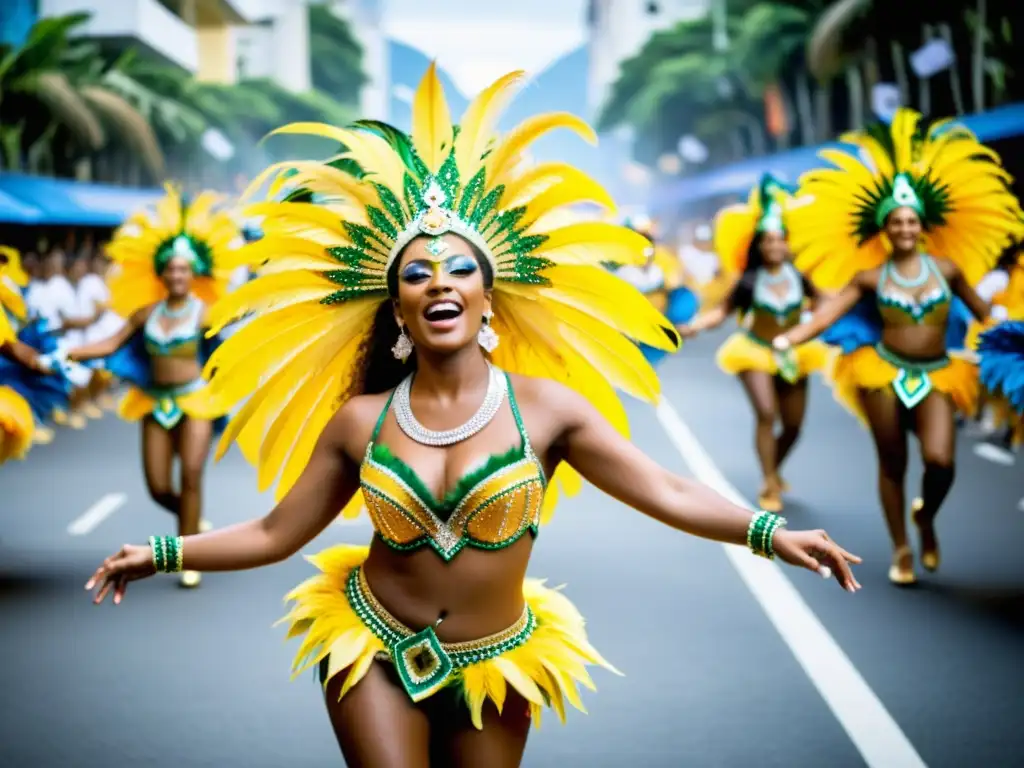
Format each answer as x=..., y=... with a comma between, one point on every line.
x=380, y=371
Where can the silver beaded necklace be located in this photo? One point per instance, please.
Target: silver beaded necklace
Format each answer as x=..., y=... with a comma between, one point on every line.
x=497, y=386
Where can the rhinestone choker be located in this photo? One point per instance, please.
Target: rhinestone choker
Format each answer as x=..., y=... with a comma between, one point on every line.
x=497, y=386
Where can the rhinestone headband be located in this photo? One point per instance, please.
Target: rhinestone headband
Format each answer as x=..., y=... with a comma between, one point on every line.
x=437, y=220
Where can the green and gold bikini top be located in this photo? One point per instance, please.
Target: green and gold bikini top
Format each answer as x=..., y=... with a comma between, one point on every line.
x=783, y=306
x=898, y=304
x=490, y=507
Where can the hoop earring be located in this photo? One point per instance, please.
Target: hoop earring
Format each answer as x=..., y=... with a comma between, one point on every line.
x=403, y=346
x=487, y=337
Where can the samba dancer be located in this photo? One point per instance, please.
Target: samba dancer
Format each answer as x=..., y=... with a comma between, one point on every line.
x=908, y=187
x=405, y=332
x=170, y=274
x=769, y=296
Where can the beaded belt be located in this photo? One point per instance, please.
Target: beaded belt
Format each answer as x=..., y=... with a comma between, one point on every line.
x=912, y=384
x=786, y=361
x=166, y=410
x=425, y=664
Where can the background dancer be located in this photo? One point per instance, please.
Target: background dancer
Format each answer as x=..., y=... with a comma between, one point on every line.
x=170, y=273
x=895, y=372
x=769, y=295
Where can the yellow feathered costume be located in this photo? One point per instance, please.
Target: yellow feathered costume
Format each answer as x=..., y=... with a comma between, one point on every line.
x=967, y=211
x=735, y=227
x=557, y=312
x=147, y=238
x=140, y=249
x=968, y=208
x=16, y=422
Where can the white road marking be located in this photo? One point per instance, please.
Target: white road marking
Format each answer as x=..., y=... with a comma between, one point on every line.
x=96, y=514
x=862, y=715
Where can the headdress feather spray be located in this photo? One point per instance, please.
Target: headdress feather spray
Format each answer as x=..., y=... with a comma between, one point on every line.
x=324, y=265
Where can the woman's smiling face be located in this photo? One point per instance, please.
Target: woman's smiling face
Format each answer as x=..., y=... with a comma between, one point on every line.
x=443, y=293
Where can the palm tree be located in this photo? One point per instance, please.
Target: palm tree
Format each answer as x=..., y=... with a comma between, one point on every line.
x=771, y=47
x=336, y=56
x=676, y=85
x=66, y=106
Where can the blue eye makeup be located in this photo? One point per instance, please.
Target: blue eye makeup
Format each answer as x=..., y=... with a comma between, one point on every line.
x=421, y=270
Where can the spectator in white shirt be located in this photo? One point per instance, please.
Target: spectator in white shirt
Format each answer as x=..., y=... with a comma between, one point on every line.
x=55, y=301
x=90, y=298
x=106, y=326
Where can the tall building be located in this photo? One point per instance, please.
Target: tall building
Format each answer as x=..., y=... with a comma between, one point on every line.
x=618, y=29
x=275, y=44
x=192, y=34
x=367, y=20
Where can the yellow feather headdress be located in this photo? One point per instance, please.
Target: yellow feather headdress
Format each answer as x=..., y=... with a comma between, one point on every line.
x=327, y=248
x=736, y=225
x=955, y=183
x=198, y=230
x=12, y=278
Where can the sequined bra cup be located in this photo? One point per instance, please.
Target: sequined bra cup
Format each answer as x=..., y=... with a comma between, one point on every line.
x=491, y=507
x=899, y=307
x=783, y=307
x=182, y=340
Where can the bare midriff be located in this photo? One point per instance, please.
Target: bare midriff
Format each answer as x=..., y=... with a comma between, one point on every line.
x=478, y=593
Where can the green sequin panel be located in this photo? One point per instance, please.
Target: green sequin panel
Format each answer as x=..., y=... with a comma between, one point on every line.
x=380, y=221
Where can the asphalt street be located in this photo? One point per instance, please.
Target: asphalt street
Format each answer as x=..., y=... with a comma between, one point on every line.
x=719, y=672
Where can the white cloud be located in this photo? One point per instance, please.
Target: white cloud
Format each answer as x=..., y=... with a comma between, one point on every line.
x=477, y=51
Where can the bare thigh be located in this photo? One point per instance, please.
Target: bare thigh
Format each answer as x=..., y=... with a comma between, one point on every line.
x=500, y=744
x=157, y=457
x=376, y=723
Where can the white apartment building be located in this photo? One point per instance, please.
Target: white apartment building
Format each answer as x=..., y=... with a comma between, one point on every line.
x=618, y=29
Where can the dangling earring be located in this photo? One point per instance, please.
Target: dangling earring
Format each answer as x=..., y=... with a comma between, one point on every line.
x=403, y=346
x=486, y=336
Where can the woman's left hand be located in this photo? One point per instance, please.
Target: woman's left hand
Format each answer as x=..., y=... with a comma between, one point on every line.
x=815, y=551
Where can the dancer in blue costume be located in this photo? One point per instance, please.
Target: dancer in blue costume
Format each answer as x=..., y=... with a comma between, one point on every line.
x=1001, y=353
x=27, y=397
x=662, y=280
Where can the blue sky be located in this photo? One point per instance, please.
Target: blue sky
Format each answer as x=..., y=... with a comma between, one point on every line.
x=477, y=41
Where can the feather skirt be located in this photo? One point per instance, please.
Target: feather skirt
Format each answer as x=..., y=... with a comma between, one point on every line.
x=741, y=353
x=865, y=369
x=545, y=670
x=16, y=425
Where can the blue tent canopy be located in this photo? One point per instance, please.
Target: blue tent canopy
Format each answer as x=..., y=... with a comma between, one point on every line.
x=14, y=212
x=739, y=178
x=41, y=200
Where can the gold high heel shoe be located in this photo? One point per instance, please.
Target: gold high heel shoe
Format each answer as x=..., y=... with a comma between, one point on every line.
x=902, y=577
x=930, y=559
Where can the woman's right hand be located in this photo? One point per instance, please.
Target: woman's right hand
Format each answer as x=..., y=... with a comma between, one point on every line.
x=130, y=564
x=687, y=331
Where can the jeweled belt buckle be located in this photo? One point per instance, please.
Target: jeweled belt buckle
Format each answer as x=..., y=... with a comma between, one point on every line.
x=912, y=387
x=167, y=413
x=423, y=665
x=788, y=368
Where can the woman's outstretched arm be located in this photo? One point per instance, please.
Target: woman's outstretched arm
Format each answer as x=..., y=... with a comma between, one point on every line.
x=615, y=465
x=111, y=344
x=826, y=313
x=326, y=485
